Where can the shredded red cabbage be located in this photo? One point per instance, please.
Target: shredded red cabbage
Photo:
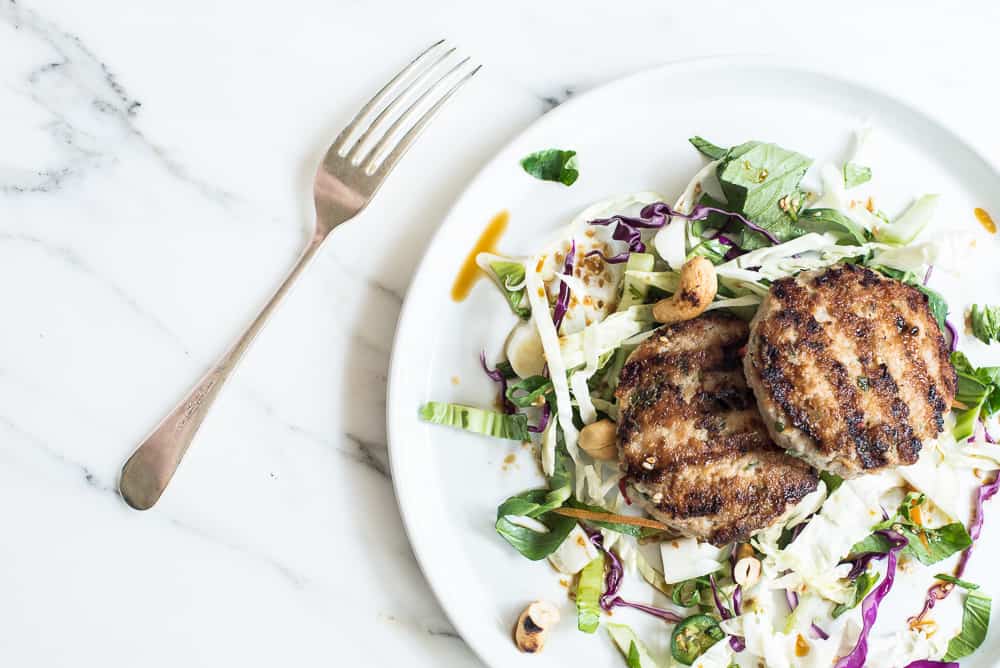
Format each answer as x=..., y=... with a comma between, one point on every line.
x=941, y=590
x=818, y=632
x=623, y=488
x=736, y=642
x=657, y=215
x=738, y=600
x=562, y=301
x=927, y=276
x=928, y=663
x=543, y=420
x=869, y=607
x=792, y=599
x=497, y=377
x=613, y=582
x=953, y=333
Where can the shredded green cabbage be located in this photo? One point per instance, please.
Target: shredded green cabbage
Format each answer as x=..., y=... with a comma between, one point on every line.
x=477, y=420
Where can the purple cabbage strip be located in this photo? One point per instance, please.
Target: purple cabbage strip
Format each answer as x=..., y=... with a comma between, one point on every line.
x=869, y=607
x=953, y=344
x=657, y=215
x=736, y=642
x=613, y=582
x=927, y=276
x=543, y=420
x=497, y=377
x=818, y=632
x=738, y=600
x=930, y=663
x=562, y=301
x=792, y=599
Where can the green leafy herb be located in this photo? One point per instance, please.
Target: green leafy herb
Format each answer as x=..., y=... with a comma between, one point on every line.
x=831, y=220
x=937, y=305
x=964, y=584
x=506, y=369
x=588, y=594
x=975, y=624
x=986, y=323
x=855, y=175
x=832, y=480
x=529, y=391
x=713, y=249
x=538, y=504
x=762, y=181
x=476, y=420
x=633, y=659
x=979, y=389
x=864, y=584
x=509, y=277
x=927, y=545
x=708, y=148
x=552, y=164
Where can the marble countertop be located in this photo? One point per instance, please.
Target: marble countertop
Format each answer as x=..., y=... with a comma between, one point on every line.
x=155, y=166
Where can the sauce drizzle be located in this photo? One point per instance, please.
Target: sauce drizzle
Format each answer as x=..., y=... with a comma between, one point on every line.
x=985, y=220
x=470, y=271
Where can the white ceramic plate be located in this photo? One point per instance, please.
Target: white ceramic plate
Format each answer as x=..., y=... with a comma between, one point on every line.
x=630, y=135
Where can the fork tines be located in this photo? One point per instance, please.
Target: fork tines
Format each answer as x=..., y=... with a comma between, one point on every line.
x=404, y=105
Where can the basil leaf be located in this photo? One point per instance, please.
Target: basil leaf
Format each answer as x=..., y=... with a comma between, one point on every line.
x=979, y=389
x=532, y=544
x=832, y=480
x=986, y=323
x=864, y=584
x=964, y=584
x=552, y=164
x=755, y=179
x=477, y=420
x=588, y=594
x=708, y=148
x=855, y=175
x=930, y=546
x=508, y=276
x=873, y=544
x=831, y=220
x=937, y=305
x=506, y=369
x=975, y=624
x=538, y=504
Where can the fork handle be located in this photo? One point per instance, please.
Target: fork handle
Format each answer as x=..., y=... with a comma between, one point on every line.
x=148, y=471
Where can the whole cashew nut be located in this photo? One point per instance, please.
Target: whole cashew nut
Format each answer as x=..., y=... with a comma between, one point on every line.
x=697, y=288
x=533, y=626
x=600, y=440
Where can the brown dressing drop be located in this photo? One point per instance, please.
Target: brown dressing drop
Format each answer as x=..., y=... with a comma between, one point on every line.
x=470, y=271
x=984, y=218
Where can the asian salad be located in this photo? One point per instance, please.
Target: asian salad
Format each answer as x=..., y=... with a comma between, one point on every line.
x=805, y=591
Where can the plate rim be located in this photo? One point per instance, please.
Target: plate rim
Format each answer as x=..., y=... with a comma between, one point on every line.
x=411, y=526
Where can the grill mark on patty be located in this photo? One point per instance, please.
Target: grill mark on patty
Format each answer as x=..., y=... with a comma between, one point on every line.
x=873, y=418
x=848, y=326
x=692, y=436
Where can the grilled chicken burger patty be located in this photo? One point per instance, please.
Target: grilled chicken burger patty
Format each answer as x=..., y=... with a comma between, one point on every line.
x=850, y=369
x=692, y=441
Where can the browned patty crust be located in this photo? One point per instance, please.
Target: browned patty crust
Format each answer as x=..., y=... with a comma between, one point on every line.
x=692, y=440
x=850, y=369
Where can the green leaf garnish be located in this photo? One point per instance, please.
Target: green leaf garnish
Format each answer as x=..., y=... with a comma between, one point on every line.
x=864, y=584
x=708, y=148
x=552, y=164
x=986, y=323
x=975, y=624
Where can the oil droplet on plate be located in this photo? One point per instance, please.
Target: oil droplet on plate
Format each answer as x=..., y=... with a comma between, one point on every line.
x=470, y=271
x=984, y=218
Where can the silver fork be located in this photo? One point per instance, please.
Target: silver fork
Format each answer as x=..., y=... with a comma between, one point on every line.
x=347, y=178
